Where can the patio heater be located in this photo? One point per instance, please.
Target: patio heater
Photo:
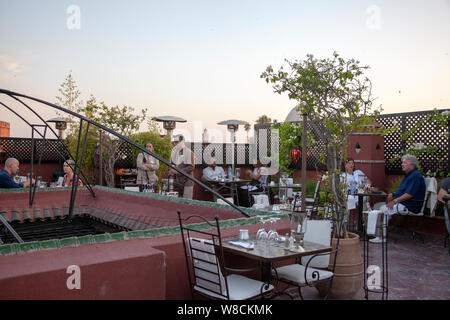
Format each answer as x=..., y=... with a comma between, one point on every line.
x=232, y=126
x=60, y=125
x=169, y=123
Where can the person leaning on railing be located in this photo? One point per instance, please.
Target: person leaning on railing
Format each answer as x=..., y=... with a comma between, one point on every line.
x=7, y=174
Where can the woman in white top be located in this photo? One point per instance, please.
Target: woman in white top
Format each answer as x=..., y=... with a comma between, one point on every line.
x=352, y=177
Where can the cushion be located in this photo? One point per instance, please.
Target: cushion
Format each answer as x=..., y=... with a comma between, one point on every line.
x=296, y=273
x=240, y=288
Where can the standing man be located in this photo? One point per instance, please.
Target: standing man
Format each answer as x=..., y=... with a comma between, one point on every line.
x=7, y=174
x=183, y=158
x=147, y=166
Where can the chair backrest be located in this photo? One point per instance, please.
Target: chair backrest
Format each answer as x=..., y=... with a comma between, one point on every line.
x=136, y=189
x=204, y=258
x=287, y=192
x=207, y=273
x=223, y=202
x=316, y=191
x=318, y=231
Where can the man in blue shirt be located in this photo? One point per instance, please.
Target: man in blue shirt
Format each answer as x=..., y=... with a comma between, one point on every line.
x=410, y=195
x=11, y=169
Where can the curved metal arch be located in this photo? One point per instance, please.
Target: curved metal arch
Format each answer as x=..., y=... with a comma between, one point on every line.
x=82, y=118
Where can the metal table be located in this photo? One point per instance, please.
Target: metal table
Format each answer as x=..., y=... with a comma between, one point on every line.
x=362, y=230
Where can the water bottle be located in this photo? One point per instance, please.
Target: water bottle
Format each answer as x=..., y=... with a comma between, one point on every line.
x=230, y=173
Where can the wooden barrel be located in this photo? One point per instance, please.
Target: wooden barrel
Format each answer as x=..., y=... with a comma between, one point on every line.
x=349, y=270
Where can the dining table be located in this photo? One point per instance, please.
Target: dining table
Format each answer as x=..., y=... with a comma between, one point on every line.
x=267, y=252
x=230, y=185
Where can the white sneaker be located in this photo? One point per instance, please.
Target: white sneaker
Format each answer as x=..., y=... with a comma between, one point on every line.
x=377, y=240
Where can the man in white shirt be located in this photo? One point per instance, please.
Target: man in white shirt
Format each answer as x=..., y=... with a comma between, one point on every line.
x=213, y=172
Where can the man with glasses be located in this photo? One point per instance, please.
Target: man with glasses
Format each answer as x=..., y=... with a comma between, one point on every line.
x=410, y=194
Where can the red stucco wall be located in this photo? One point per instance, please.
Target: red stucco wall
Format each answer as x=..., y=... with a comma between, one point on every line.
x=129, y=269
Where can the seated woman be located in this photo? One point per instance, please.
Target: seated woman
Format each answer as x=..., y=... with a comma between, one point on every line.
x=351, y=177
x=69, y=176
x=259, y=177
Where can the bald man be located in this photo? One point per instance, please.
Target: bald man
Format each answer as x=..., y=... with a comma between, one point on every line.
x=7, y=174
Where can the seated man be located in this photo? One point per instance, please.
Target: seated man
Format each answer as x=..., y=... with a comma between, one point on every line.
x=259, y=177
x=212, y=172
x=410, y=194
x=443, y=196
x=444, y=189
x=7, y=174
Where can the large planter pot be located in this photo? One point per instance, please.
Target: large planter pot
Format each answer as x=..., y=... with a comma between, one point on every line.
x=349, y=270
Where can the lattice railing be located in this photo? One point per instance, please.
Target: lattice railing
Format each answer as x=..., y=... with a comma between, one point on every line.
x=20, y=148
x=429, y=133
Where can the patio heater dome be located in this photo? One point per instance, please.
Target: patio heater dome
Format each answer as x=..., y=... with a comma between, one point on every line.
x=233, y=124
x=169, y=123
x=60, y=123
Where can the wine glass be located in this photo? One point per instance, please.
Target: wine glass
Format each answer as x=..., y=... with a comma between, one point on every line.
x=367, y=185
x=262, y=234
x=273, y=234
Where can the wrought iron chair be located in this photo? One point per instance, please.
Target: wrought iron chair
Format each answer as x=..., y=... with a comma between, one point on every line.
x=447, y=220
x=310, y=202
x=208, y=276
x=313, y=270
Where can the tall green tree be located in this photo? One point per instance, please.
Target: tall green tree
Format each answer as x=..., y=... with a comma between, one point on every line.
x=123, y=120
x=69, y=96
x=337, y=97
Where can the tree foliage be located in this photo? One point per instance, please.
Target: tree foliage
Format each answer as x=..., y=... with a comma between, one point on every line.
x=412, y=140
x=69, y=97
x=263, y=119
x=337, y=97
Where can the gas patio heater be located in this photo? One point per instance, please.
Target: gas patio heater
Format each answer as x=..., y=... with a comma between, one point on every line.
x=232, y=126
x=169, y=123
x=60, y=125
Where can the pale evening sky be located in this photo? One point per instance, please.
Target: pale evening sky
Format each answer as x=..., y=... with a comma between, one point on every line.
x=202, y=60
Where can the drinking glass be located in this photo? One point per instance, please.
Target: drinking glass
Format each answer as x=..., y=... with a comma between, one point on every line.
x=273, y=234
x=367, y=185
x=262, y=234
x=299, y=222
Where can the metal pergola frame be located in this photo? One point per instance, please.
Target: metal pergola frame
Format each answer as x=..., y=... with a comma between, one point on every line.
x=79, y=157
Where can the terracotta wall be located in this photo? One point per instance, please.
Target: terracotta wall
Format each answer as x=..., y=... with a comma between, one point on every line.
x=129, y=269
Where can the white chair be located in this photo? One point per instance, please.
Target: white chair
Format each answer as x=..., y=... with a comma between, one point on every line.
x=312, y=269
x=210, y=277
x=135, y=189
x=223, y=202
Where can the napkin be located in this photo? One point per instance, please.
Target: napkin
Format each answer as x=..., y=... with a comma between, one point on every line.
x=242, y=244
x=351, y=202
x=372, y=217
x=432, y=198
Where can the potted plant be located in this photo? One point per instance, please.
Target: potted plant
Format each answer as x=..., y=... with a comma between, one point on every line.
x=336, y=96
